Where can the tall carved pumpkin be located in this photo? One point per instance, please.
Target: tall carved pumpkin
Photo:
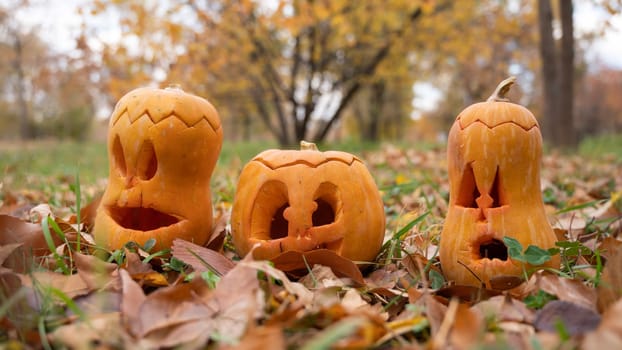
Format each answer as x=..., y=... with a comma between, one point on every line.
x=163, y=145
x=289, y=200
x=494, y=153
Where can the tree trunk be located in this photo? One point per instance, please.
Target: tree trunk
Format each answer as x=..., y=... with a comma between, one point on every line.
x=566, y=136
x=548, y=119
x=376, y=101
x=557, y=75
x=25, y=127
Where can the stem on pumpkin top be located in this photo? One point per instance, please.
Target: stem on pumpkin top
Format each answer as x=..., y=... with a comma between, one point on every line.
x=501, y=90
x=308, y=146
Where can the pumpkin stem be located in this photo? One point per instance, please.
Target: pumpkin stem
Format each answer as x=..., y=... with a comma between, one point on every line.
x=501, y=90
x=174, y=86
x=308, y=146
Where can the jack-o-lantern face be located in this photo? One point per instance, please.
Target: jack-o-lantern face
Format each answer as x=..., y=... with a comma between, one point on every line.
x=290, y=200
x=494, y=150
x=162, y=147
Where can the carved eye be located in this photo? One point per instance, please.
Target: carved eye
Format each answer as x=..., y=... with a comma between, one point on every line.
x=268, y=208
x=147, y=163
x=328, y=204
x=469, y=192
x=117, y=156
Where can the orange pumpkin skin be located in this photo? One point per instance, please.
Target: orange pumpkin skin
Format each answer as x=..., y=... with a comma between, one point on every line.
x=494, y=152
x=163, y=145
x=303, y=200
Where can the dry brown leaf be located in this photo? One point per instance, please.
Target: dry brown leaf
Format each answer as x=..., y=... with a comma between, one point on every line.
x=504, y=308
x=434, y=311
x=102, y=329
x=70, y=285
x=6, y=250
x=141, y=272
x=571, y=290
x=575, y=319
x=385, y=277
x=219, y=228
x=608, y=246
x=292, y=261
x=467, y=329
x=260, y=338
x=467, y=294
x=189, y=314
x=608, y=335
x=610, y=287
x=94, y=304
x=97, y=274
x=321, y=277
x=88, y=213
x=14, y=230
x=131, y=302
x=304, y=295
x=200, y=258
x=24, y=311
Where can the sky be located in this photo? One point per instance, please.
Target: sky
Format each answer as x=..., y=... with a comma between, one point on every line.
x=59, y=23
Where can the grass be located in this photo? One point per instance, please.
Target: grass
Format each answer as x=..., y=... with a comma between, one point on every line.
x=599, y=146
x=31, y=165
x=22, y=165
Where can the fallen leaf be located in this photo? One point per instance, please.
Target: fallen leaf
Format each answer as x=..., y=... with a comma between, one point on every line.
x=566, y=289
x=467, y=328
x=200, y=258
x=70, y=285
x=503, y=308
x=385, y=277
x=94, y=304
x=260, y=338
x=132, y=299
x=189, y=314
x=97, y=274
x=14, y=230
x=321, y=276
x=467, y=294
x=609, y=289
x=608, y=334
x=105, y=330
x=88, y=213
x=222, y=213
x=574, y=318
x=7, y=250
x=142, y=272
x=293, y=261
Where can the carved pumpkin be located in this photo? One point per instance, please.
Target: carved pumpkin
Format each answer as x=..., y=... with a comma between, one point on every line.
x=289, y=200
x=494, y=153
x=163, y=145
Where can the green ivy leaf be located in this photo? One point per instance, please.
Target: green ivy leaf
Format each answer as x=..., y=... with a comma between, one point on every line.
x=538, y=300
x=536, y=256
x=436, y=279
x=515, y=249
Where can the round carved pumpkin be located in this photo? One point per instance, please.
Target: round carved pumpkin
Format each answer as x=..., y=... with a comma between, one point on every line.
x=289, y=200
x=163, y=145
x=494, y=153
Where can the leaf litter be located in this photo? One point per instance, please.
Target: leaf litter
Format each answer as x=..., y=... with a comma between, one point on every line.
x=56, y=292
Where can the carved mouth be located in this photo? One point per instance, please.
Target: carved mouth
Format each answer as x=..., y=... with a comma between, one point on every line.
x=491, y=249
x=141, y=219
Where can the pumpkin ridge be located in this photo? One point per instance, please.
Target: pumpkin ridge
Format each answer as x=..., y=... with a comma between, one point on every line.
x=304, y=162
x=171, y=115
x=462, y=127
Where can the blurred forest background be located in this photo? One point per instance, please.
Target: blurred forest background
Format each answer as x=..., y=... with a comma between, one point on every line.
x=320, y=70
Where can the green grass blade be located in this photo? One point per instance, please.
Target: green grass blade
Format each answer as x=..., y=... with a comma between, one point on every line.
x=51, y=246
